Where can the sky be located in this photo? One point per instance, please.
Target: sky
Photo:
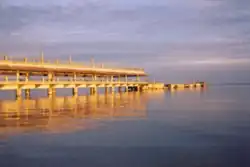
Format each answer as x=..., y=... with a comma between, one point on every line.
x=174, y=41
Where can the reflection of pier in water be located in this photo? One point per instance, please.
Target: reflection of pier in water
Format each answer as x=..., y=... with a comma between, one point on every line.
x=63, y=113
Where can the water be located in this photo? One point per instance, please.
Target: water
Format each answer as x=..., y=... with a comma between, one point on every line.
x=183, y=128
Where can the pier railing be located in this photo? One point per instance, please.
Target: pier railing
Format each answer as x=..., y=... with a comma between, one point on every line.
x=70, y=63
x=71, y=82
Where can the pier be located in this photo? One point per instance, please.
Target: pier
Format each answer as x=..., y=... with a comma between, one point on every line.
x=26, y=74
x=185, y=86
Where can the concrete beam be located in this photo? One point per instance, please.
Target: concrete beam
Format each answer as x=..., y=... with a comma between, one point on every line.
x=27, y=93
x=75, y=91
x=18, y=93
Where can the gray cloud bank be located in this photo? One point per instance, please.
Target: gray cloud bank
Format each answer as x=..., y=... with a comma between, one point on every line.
x=162, y=35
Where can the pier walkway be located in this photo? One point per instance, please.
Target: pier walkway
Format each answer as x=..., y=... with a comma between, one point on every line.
x=40, y=74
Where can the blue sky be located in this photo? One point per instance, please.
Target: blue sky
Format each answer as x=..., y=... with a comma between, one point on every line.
x=175, y=41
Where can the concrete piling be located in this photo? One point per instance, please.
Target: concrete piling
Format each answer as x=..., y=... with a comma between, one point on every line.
x=106, y=89
x=18, y=92
x=50, y=91
x=75, y=91
x=93, y=90
x=27, y=93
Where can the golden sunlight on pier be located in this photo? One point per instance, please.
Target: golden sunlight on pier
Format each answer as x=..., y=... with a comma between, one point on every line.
x=28, y=74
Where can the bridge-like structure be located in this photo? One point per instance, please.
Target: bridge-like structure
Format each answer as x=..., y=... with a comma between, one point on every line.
x=40, y=74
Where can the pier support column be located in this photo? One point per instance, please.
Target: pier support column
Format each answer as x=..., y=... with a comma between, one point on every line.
x=93, y=90
x=112, y=89
x=126, y=88
x=106, y=89
x=50, y=91
x=53, y=91
x=27, y=93
x=133, y=88
x=75, y=91
x=27, y=77
x=18, y=93
x=137, y=88
x=137, y=78
x=140, y=88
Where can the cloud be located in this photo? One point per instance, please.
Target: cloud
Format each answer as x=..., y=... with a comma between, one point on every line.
x=216, y=62
x=177, y=62
x=15, y=34
x=197, y=33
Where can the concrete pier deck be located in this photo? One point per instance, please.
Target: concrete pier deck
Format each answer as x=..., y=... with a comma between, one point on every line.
x=28, y=75
x=183, y=86
x=61, y=68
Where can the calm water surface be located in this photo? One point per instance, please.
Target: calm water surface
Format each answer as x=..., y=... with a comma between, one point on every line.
x=184, y=128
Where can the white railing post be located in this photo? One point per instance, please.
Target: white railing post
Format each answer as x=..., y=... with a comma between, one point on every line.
x=74, y=76
x=70, y=59
x=6, y=78
x=26, y=77
x=42, y=58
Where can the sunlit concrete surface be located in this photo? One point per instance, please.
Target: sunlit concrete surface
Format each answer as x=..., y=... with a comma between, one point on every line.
x=28, y=75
